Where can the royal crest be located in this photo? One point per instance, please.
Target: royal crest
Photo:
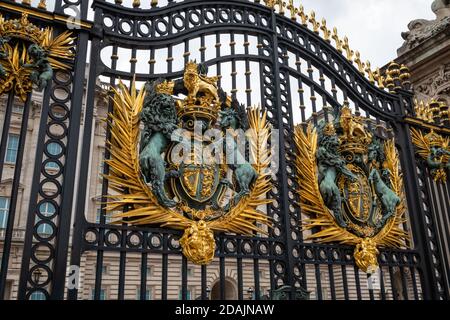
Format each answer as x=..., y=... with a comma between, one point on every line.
x=350, y=186
x=168, y=165
x=434, y=149
x=29, y=55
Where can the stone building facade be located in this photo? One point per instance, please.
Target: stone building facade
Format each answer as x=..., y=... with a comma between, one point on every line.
x=110, y=268
x=426, y=52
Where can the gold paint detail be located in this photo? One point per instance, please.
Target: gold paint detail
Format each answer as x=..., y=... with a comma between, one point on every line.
x=433, y=112
x=325, y=30
x=322, y=219
x=328, y=35
x=59, y=50
x=207, y=105
x=198, y=243
x=293, y=10
x=418, y=122
x=47, y=15
x=366, y=254
x=314, y=23
x=131, y=191
x=165, y=87
x=425, y=143
x=42, y=5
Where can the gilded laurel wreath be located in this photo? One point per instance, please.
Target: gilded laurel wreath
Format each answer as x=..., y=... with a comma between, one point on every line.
x=322, y=221
x=140, y=206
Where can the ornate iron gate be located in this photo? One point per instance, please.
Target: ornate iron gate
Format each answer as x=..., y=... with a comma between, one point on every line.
x=262, y=57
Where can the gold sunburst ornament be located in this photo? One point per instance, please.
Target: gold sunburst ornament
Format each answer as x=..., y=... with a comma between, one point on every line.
x=201, y=212
x=434, y=149
x=29, y=54
x=350, y=187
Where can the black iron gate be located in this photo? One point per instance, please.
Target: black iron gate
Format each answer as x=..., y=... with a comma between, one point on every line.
x=263, y=58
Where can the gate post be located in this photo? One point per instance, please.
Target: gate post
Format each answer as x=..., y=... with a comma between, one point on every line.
x=421, y=239
x=57, y=260
x=283, y=179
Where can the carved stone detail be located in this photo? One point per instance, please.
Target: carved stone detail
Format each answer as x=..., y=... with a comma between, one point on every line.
x=420, y=30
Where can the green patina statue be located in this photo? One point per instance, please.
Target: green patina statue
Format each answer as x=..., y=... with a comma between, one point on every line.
x=42, y=72
x=290, y=293
x=330, y=164
x=159, y=117
x=381, y=182
x=435, y=160
x=3, y=55
x=235, y=118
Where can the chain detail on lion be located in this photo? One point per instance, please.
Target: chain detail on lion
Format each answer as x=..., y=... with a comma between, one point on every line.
x=148, y=195
x=350, y=187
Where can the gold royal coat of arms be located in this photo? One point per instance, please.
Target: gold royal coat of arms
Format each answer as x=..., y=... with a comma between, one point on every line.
x=350, y=186
x=168, y=166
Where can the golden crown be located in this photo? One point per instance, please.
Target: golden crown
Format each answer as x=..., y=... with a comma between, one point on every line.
x=355, y=138
x=329, y=130
x=206, y=105
x=434, y=140
x=191, y=67
x=203, y=107
x=22, y=29
x=166, y=87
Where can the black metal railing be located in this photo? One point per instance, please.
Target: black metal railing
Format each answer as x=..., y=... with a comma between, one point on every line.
x=263, y=58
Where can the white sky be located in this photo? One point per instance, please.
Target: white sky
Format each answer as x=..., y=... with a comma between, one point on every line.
x=373, y=26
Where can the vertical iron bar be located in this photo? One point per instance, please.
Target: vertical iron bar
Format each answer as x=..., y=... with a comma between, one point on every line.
x=234, y=89
x=415, y=206
x=383, y=290
x=184, y=278
x=248, y=89
x=28, y=241
x=144, y=266
x=318, y=282
x=256, y=277
x=14, y=194
x=435, y=211
x=204, y=284
x=222, y=269
x=219, y=72
x=240, y=279
x=442, y=218
x=358, y=284
x=284, y=212
x=165, y=263
x=331, y=277
x=80, y=219
x=404, y=283
x=344, y=280
x=413, y=278
x=122, y=265
x=394, y=290
x=63, y=236
x=371, y=296
x=5, y=131
x=202, y=48
x=239, y=270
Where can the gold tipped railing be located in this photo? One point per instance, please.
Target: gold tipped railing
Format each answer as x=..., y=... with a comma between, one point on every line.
x=42, y=4
x=137, y=3
x=433, y=112
x=395, y=78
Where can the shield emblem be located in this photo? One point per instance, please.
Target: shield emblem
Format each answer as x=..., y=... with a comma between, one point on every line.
x=199, y=182
x=359, y=202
